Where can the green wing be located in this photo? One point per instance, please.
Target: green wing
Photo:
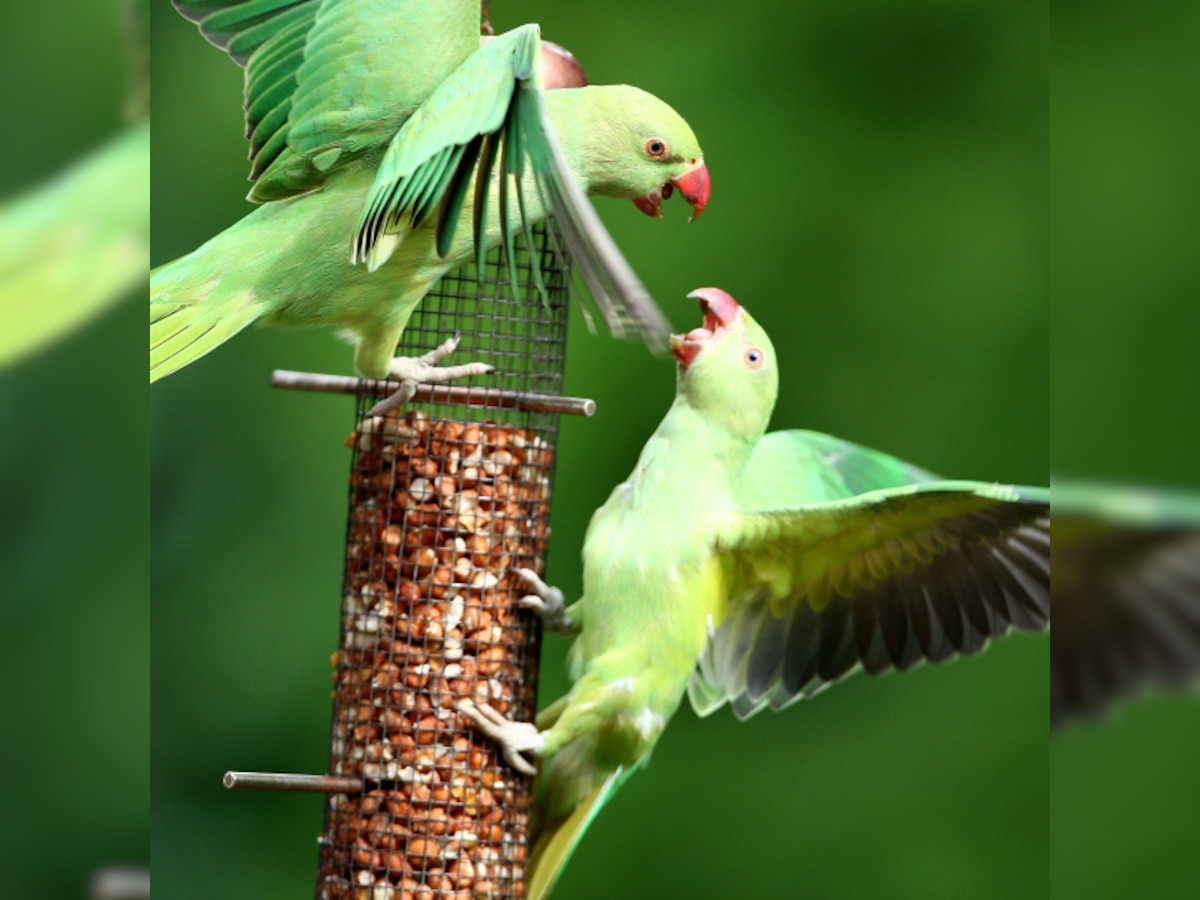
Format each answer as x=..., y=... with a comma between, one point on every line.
x=327, y=80
x=442, y=142
x=883, y=580
x=491, y=112
x=1126, y=595
x=792, y=468
x=239, y=27
x=267, y=38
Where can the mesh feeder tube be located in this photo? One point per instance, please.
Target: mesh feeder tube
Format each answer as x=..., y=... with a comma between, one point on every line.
x=446, y=498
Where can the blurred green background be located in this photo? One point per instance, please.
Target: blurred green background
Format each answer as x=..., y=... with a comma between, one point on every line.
x=880, y=176
x=74, y=535
x=1125, y=194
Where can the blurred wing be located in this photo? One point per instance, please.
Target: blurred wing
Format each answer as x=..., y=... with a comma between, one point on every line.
x=883, y=580
x=75, y=245
x=1125, y=596
x=491, y=114
x=618, y=293
x=327, y=79
x=793, y=468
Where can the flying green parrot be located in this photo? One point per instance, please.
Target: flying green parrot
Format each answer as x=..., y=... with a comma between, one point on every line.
x=368, y=120
x=75, y=244
x=756, y=569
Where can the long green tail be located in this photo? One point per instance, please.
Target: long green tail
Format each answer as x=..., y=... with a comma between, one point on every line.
x=193, y=311
x=553, y=847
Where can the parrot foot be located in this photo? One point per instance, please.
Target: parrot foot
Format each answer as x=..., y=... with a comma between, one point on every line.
x=514, y=738
x=425, y=370
x=547, y=602
x=486, y=24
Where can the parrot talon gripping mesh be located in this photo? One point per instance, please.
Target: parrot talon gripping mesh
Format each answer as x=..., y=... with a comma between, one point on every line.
x=515, y=738
x=546, y=602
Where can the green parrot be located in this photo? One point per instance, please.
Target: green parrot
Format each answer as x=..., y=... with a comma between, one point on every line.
x=368, y=120
x=74, y=245
x=756, y=569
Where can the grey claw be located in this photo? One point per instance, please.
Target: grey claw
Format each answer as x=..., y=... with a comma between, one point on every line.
x=401, y=396
x=546, y=601
x=514, y=738
x=412, y=371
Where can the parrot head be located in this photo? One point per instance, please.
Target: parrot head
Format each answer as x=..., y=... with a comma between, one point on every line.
x=641, y=149
x=727, y=367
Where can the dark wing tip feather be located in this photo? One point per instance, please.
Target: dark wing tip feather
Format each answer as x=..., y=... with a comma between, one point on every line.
x=991, y=574
x=1127, y=608
x=455, y=195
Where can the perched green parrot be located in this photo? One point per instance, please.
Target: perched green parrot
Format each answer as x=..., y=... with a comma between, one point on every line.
x=756, y=569
x=77, y=243
x=368, y=120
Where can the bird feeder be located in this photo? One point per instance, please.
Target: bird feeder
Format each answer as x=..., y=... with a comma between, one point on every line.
x=446, y=498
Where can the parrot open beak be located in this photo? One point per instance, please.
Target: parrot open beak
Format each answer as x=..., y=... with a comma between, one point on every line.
x=720, y=311
x=693, y=186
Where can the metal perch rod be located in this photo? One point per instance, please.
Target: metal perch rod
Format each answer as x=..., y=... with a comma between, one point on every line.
x=283, y=781
x=435, y=393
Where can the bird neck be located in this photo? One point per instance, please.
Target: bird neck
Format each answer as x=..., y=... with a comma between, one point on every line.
x=690, y=455
x=579, y=113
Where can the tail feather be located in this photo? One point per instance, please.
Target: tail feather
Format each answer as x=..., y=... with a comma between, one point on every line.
x=192, y=317
x=557, y=841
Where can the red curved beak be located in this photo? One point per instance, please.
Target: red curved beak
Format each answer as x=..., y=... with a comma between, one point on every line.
x=718, y=304
x=720, y=313
x=693, y=185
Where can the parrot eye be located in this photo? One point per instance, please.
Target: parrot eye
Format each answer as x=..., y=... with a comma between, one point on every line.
x=656, y=148
x=754, y=358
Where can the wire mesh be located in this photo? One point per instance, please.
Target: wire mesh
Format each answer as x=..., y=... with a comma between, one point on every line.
x=444, y=502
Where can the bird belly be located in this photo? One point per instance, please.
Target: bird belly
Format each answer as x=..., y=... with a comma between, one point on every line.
x=643, y=631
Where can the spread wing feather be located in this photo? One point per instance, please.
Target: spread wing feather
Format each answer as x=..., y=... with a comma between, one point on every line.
x=879, y=581
x=327, y=80
x=489, y=119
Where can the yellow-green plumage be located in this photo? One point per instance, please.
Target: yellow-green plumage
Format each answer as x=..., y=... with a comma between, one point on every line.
x=756, y=570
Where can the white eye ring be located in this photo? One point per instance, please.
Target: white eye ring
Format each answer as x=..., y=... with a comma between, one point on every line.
x=754, y=358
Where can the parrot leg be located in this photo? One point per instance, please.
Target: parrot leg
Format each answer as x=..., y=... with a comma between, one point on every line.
x=549, y=716
x=548, y=603
x=514, y=738
x=486, y=26
x=425, y=370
